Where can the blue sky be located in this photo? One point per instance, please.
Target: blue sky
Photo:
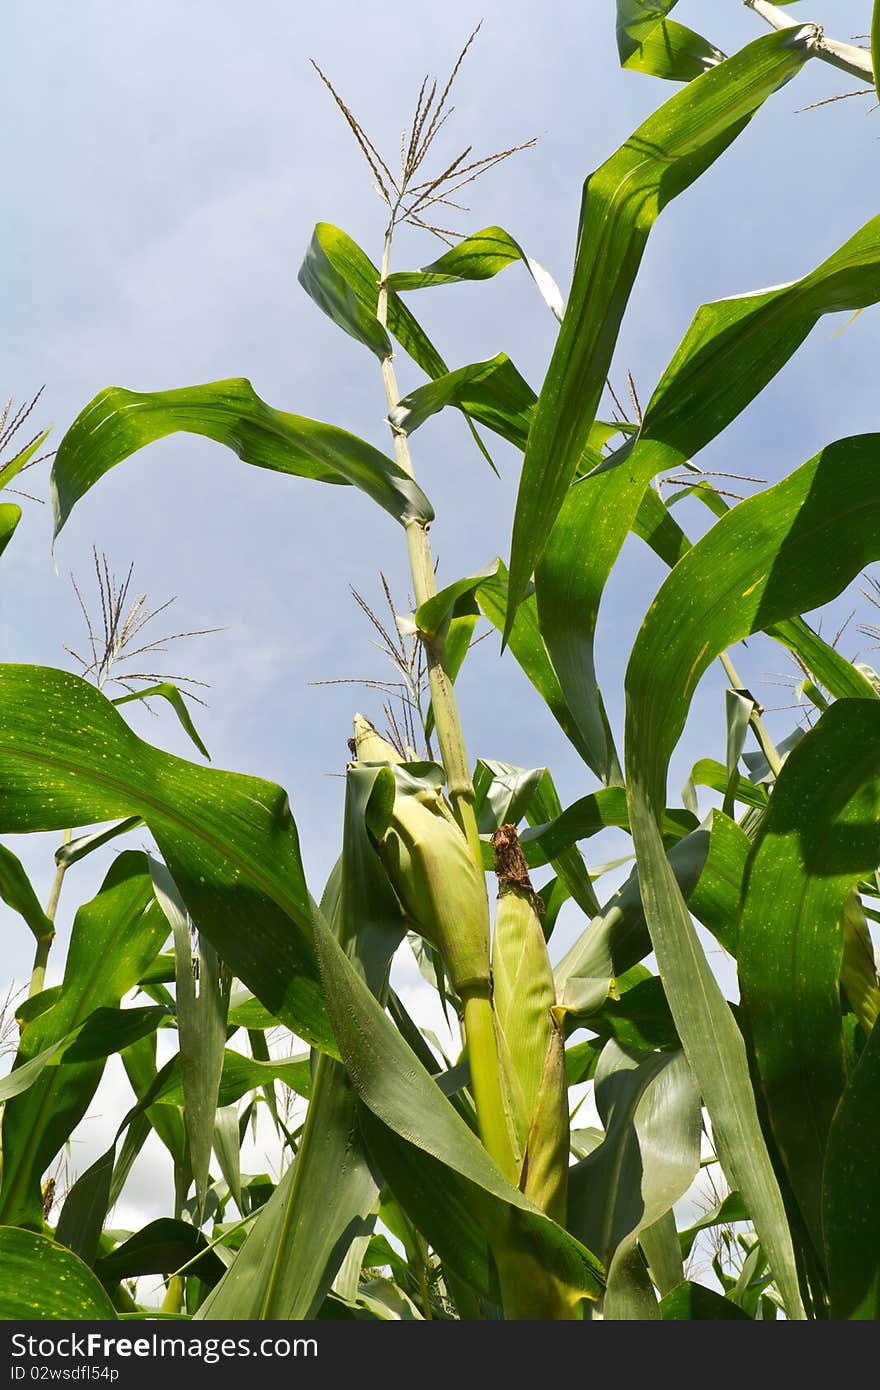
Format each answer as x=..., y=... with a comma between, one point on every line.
x=166, y=166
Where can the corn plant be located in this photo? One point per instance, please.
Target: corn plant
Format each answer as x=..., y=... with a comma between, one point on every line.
x=422, y=1186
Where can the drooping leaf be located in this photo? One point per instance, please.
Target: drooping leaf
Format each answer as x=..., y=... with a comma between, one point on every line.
x=732, y=1208
x=13, y=466
x=543, y=810
x=589, y=815
x=10, y=516
x=478, y=257
x=649, y=42
x=337, y=270
x=17, y=893
x=503, y=793
x=621, y=201
x=332, y=292
x=492, y=392
x=433, y=616
x=119, y=422
x=68, y=758
x=41, y=1281
x=167, y=690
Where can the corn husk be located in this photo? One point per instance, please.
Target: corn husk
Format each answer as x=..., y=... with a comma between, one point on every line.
x=432, y=871
x=530, y=1043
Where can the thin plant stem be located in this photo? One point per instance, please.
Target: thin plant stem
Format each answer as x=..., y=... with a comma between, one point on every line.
x=846, y=56
x=479, y=1021
x=446, y=720
x=44, y=943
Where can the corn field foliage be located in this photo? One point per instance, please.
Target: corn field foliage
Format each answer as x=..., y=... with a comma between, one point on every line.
x=416, y=1185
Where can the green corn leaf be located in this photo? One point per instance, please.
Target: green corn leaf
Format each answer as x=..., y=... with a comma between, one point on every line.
x=139, y=1062
x=527, y=645
x=114, y=938
x=86, y=1205
x=617, y=938
x=478, y=257
x=230, y=843
x=327, y=1198
x=10, y=516
x=14, y=466
x=543, y=809
x=338, y=270
x=649, y=42
x=332, y=291
x=773, y=556
x=732, y=349
x=227, y=1149
x=40, y=1280
x=708, y=772
x=731, y=1209
x=73, y=850
x=202, y=994
x=819, y=836
x=714, y=900
x=240, y=1075
x=621, y=201
x=161, y=1247
x=433, y=1162
x=118, y=422
x=503, y=793
x=167, y=690
x=434, y=615
x=658, y=529
x=104, y=1032
x=543, y=844
x=690, y=1302
x=851, y=1210
x=660, y=1247
x=650, y=1110
x=17, y=893
x=492, y=392
x=640, y=1018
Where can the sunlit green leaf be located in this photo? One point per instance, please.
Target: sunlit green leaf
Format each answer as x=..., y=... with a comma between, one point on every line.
x=119, y=422
x=621, y=201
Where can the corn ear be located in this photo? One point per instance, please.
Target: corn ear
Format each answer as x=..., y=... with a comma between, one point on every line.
x=858, y=972
x=370, y=747
x=530, y=1042
x=430, y=866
